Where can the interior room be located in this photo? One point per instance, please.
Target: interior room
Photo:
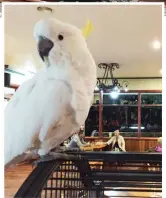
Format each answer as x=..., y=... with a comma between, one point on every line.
x=126, y=44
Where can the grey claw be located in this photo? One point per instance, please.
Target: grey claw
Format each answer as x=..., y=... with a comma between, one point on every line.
x=42, y=159
x=34, y=164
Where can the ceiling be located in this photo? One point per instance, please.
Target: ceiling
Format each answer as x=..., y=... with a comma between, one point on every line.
x=122, y=34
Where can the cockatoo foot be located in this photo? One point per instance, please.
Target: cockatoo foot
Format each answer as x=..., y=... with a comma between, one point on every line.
x=72, y=150
x=56, y=156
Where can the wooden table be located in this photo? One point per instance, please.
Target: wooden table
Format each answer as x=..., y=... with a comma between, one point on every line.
x=133, y=144
x=93, y=147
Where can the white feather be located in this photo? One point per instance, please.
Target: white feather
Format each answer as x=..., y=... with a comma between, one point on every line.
x=52, y=105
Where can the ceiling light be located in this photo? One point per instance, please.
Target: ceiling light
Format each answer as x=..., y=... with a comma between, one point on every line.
x=44, y=9
x=114, y=94
x=108, y=82
x=115, y=88
x=156, y=45
x=96, y=88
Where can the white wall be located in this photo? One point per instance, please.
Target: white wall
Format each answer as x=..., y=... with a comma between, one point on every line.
x=144, y=84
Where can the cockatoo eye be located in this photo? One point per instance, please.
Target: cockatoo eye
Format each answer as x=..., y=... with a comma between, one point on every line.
x=60, y=37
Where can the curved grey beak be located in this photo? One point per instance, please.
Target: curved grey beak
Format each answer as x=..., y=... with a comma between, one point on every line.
x=44, y=47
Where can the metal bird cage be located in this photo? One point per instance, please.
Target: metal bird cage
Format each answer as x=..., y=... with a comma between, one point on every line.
x=67, y=182
x=95, y=174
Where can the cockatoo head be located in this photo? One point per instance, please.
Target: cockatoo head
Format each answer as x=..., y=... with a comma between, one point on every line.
x=58, y=41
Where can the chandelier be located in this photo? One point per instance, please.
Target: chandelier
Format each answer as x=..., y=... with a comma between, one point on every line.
x=108, y=83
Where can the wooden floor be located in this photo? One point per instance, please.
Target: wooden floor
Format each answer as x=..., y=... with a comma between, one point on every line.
x=14, y=178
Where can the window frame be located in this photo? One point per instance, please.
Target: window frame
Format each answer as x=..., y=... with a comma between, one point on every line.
x=139, y=105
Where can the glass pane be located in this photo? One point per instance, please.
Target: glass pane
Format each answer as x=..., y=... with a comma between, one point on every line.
x=125, y=118
x=151, y=119
x=122, y=99
x=151, y=98
x=96, y=98
x=92, y=121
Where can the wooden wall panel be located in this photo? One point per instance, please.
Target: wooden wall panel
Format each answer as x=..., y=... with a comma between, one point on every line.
x=139, y=145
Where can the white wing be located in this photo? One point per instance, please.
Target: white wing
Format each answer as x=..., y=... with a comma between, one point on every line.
x=38, y=105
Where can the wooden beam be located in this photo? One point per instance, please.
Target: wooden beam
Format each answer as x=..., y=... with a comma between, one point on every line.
x=139, y=114
x=101, y=114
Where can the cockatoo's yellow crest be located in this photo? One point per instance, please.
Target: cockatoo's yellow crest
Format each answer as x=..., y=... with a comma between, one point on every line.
x=87, y=29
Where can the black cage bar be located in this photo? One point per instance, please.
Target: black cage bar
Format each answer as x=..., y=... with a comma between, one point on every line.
x=94, y=174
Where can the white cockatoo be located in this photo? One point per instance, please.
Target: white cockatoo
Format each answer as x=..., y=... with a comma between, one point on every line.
x=51, y=106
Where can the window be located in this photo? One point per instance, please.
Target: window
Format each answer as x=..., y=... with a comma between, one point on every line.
x=122, y=99
x=122, y=112
x=151, y=119
x=92, y=121
x=151, y=114
x=124, y=118
x=151, y=98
